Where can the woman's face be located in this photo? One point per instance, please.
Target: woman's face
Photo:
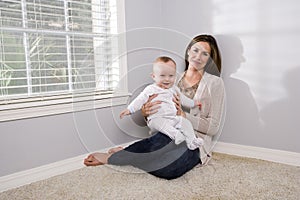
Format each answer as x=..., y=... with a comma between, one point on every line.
x=198, y=55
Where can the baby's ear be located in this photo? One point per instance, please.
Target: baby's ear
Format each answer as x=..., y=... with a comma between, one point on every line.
x=152, y=75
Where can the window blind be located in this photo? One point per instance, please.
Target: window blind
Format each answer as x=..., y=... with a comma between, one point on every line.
x=57, y=47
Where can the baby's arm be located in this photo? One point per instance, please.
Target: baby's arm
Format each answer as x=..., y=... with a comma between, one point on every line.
x=197, y=103
x=138, y=102
x=124, y=112
x=187, y=102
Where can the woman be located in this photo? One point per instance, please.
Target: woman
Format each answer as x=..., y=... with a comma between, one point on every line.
x=158, y=154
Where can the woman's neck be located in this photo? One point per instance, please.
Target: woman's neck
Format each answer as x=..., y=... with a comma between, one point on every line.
x=193, y=76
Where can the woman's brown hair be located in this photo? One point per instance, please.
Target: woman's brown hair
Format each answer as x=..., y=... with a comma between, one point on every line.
x=213, y=66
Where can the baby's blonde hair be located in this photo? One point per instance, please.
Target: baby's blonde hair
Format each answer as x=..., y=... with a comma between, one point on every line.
x=164, y=59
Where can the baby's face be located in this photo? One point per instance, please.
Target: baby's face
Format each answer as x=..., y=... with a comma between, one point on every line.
x=164, y=74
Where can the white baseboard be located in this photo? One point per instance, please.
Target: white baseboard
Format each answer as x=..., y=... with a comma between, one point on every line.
x=285, y=157
x=40, y=173
x=43, y=172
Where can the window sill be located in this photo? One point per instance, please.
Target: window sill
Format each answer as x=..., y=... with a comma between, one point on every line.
x=52, y=106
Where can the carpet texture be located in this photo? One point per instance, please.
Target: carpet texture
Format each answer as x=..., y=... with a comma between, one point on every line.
x=226, y=177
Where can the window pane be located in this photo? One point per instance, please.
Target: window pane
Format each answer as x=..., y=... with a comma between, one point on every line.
x=48, y=62
x=45, y=14
x=80, y=15
x=83, y=66
x=10, y=13
x=13, y=65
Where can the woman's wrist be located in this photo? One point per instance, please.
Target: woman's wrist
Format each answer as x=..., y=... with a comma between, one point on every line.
x=143, y=111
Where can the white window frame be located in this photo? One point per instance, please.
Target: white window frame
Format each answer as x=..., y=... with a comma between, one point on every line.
x=60, y=104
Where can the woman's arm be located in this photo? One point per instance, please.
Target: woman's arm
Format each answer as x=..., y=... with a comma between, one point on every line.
x=210, y=123
x=149, y=107
x=177, y=101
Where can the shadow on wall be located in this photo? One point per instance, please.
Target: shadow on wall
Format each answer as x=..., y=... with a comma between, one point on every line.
x=242, y=116
x=281, y=117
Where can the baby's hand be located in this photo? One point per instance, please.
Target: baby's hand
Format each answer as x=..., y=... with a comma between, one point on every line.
x=198, y=103
x=124, y=112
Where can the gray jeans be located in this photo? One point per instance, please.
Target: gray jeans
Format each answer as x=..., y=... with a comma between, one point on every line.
x=159, y=156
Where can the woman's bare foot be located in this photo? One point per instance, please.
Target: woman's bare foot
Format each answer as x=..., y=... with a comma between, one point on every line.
x=95, y=159
x=114, y=150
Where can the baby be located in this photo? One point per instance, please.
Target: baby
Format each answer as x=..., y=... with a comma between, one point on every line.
x=165, y=120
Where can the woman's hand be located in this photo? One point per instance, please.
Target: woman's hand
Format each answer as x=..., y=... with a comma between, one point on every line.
x=149, y=107
x=176, y=100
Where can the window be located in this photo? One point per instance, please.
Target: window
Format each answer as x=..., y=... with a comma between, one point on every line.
x=58, y=53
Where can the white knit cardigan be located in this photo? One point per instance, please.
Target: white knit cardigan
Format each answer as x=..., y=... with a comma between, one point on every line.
x=208, y=121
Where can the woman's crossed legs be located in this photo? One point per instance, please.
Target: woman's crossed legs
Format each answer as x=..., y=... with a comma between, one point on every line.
x=157, y=155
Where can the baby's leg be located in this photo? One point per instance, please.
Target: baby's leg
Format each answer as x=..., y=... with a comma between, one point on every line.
x=191, y=140
x=167, y=127
x=179, y=137
x=194, y=143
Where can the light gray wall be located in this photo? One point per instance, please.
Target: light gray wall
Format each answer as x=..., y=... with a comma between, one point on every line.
x=30, y=143
x=260, y=44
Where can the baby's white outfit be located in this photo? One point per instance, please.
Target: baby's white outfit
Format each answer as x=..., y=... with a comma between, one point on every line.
x=165, y=119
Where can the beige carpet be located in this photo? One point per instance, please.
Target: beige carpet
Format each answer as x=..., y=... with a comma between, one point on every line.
x=226, y=177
